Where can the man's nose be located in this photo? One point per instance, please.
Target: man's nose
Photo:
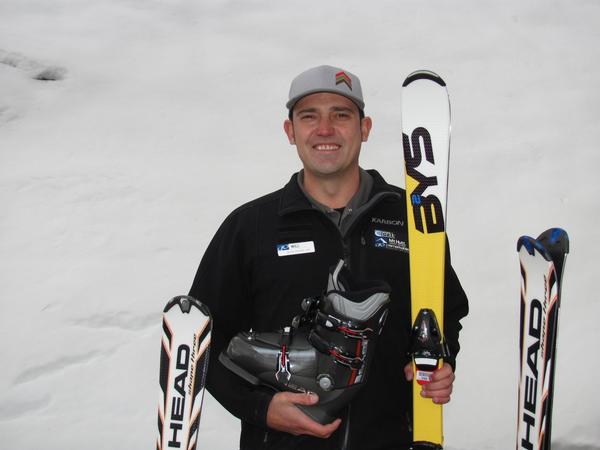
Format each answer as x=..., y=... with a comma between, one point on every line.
x=325, y=127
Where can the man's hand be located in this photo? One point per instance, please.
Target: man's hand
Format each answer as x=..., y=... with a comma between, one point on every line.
x=284, y=415
x=440, y=387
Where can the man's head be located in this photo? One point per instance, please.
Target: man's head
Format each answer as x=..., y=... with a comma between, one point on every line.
x=326, y=122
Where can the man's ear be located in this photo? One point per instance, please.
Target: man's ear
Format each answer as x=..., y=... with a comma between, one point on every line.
x=365, y=128
x=288, y=127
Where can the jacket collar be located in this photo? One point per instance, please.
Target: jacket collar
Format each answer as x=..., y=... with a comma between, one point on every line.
x=293, y=199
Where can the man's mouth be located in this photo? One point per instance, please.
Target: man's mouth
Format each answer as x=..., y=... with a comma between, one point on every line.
x=326, y=147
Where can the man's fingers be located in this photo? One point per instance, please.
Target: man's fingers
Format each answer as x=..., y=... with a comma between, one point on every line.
x=427, y=391
x=442, y=379
x=308, y=398
x=293, y=420
x=331, y=427
x=439, y=385
x=440, y=400
x=443, y=372
x=440, y=388
x=322, y=431
x=408, y=372
x=439, y=396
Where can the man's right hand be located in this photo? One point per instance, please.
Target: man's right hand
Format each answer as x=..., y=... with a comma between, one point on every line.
x=284, y=415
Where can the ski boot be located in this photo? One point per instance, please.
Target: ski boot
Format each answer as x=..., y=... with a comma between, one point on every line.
x=326, y=350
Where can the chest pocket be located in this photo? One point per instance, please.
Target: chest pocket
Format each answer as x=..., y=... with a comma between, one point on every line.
x=386, y=238
x=294, y=240
x=291, y=265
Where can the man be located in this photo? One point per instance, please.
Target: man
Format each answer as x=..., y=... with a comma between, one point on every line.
x=332, y=209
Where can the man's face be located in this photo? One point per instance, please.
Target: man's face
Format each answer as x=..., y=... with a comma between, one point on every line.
x=327, y=131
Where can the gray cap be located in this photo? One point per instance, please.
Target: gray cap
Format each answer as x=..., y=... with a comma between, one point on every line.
x=326, y=79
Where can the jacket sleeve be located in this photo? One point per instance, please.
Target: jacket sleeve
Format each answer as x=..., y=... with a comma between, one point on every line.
x=456, y=307
x=222, y=283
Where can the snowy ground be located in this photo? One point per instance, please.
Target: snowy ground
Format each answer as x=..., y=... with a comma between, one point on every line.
x=165, y=115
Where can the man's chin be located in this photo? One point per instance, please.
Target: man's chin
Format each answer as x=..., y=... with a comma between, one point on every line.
x=329, y=172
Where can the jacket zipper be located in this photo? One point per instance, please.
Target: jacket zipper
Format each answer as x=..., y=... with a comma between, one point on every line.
x=345, y=240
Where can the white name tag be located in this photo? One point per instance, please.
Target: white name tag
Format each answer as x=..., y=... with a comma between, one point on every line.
x=295, y=248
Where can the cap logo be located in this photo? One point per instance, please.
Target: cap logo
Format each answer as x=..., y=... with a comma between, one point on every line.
x=341, y=77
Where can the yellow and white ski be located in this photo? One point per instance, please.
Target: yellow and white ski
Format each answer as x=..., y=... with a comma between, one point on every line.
x=426, y=142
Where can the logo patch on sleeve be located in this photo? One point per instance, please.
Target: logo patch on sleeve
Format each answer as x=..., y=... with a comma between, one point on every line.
x=388, y=241
x=295, y=248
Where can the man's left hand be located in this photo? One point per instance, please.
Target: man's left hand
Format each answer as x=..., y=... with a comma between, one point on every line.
x=439, y=388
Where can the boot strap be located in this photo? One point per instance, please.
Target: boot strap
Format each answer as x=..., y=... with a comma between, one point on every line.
x=282, y=374
x=352, y=361
x=347, y=328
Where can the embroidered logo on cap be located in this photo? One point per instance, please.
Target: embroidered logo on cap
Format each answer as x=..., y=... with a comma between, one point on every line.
x=341, y=77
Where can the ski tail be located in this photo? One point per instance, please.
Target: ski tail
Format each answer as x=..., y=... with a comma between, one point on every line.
x=541, y=264
x=183, y=365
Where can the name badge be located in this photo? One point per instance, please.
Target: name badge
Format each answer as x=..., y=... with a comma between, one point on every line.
x=295, y=248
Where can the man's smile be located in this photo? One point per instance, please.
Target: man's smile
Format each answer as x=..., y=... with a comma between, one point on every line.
x=326, y=147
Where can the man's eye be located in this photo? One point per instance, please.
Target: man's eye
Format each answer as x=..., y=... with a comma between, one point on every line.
x=342, y=115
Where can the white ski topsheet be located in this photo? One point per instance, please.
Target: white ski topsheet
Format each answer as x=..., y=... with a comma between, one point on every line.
x=425, y=105
x=184, y=359
x=539, y=294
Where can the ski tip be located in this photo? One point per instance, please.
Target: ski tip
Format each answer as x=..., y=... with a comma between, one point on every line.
x=527, y=242
x=556, y=238
x=531, y=245
x=424, y=75
x=185, y=303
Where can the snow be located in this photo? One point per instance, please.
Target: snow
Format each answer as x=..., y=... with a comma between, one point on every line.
x=167, y=115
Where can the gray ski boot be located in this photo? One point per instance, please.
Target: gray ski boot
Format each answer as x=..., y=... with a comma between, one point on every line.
x=326, y=350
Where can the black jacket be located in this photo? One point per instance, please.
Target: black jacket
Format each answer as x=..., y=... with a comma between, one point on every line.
x=247, y=285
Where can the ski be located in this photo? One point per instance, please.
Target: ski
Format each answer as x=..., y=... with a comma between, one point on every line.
x=541, y=263
x=426, y=143
x=183, y=363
